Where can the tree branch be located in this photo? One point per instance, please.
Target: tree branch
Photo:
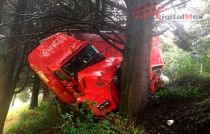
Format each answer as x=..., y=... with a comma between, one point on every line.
x=95, y=8
x=174, y=5
x=113, y=4
x=159, y=33
x=24, y=84
x=107, y=25
x=120, y=42
x=101, y=35
x=41, y=33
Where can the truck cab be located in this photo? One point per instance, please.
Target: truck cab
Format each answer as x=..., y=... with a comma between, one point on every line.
x=75, y=71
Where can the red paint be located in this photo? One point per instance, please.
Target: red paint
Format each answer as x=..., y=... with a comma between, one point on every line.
x=68, y=67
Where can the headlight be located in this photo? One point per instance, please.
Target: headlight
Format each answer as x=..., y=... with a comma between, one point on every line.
x=165, y=79
x=115, y=79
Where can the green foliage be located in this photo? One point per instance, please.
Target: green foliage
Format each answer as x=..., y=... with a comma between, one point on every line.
x=204, y=46
x=178, y=93
x=183, y=71
x=24, y=96
x=180, y=64
x=13, y=114
x=34, y=121
x=86, y=124
x=205, y=43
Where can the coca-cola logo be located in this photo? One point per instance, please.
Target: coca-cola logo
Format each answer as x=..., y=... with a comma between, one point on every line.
x=53, y=45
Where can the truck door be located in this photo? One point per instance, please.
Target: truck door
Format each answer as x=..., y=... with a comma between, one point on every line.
x=68, y=83
x=59, y=82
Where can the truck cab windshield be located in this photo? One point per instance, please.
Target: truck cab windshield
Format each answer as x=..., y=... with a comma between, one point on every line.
x=80, y=60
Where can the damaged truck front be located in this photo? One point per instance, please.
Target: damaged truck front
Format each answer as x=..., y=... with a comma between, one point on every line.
x=77, y=70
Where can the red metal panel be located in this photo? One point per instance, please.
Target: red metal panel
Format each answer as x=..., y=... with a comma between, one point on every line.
x=51, y=48
x=156, y=58
x=100, y=44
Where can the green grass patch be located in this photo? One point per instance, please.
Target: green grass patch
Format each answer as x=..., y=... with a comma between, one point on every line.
x=178, y=93
x=33, y=121
x=87, y=123
x=16, y=112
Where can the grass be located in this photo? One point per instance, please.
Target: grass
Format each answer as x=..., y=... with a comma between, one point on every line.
x=31, y=121
x=87, y=123
x=176, y=94
x=44, y=120
x=16, y=112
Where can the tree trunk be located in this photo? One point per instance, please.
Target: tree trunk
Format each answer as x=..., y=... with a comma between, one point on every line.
x=136, y=63
x=35, y=93
x=13, y=100
x=46, y=92
x=1, y=9
x=5, y=86
x=8, y=65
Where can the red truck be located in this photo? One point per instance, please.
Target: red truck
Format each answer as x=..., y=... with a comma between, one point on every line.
x=84, y=67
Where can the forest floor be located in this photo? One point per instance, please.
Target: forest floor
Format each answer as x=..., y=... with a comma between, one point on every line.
x=14, y=113
x=189, y=115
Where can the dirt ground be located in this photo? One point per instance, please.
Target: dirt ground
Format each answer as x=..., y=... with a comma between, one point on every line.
x=190, y=116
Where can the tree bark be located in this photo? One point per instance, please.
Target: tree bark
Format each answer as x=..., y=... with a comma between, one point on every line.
x=136, y=63
x=1, y=9
x=46, y=92
x=8, y=65
x=13, y=100
x=35, y=93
